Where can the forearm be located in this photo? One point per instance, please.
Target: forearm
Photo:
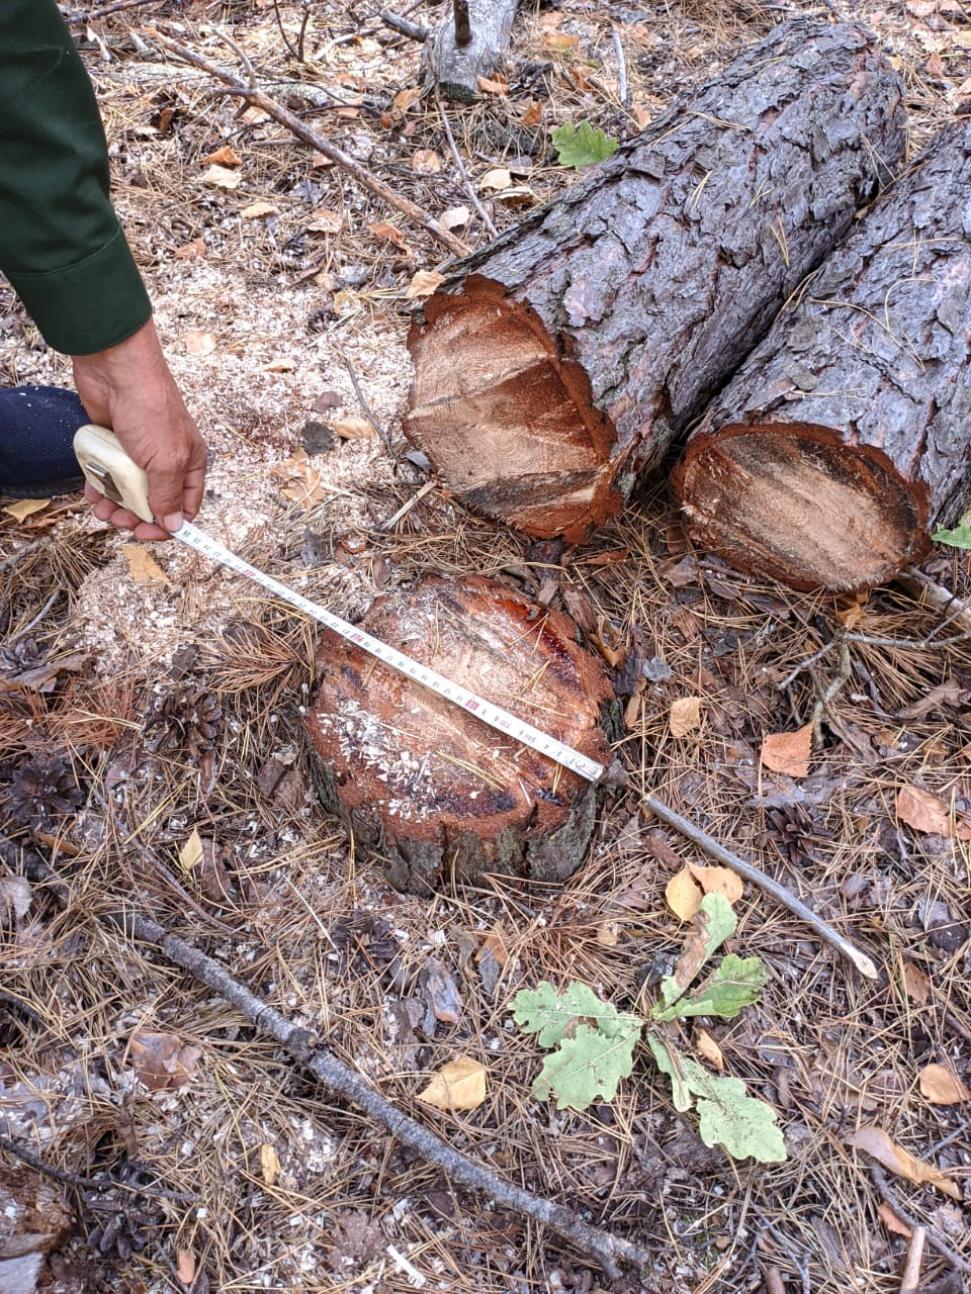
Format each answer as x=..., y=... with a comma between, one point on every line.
x=61, y=245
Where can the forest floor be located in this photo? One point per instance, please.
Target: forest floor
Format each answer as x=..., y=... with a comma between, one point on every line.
x=152, y=744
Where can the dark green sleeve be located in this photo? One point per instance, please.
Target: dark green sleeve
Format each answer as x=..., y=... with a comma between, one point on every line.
x=61, y=245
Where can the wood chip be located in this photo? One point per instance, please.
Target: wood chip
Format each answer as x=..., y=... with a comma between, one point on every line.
x=142, y=566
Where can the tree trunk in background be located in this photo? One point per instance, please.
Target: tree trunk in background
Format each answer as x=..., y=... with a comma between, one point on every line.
x=564, y=357
x=455, y=69
x=437, y=791
x=848, y=430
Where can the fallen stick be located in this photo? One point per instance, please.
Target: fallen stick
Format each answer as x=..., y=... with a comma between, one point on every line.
x=936, y=1242
x=413, y=30
x=910, y=1278
x=610, y=1251
x=316, y=140
x=928, y=592
x=751, y=873
x=88, y=15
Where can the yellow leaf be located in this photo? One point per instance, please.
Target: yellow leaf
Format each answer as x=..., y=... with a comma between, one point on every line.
x=708, y=1049
x=351, y=428
x=942, y=1086
x=719, y=880
x=190, y=855
x=25, y=508
x=459, y=1085
x=424, y=283
x=143, y=566
x=269, y=1163
x=608, y=934
x=788, y=752
x=685, y=715
x=929, y=813
x=893, y=1157
x=225, y=156
x=682, y=895
x=497, y=178
x=198, y=342
x=220, y=177
x=390, y=233
x=258, y=209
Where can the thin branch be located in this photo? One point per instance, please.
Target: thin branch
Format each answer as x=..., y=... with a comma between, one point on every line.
x=467, y=183
x=319, y=142
x=623, y=93
x=413, y=30
x=611, y=1251
x=27, y=1156
x=362, y=400
x=910, y=1277
x=752, y=873
x=933, y=1239
x=291, y=49
x=87, y=15
x=913, y=644
x=925, y=590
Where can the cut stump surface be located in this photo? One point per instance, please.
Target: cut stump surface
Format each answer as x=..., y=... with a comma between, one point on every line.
x=439, y=792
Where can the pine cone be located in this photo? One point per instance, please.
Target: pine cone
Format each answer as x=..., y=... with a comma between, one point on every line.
x=42, y=791
x=793, y=832
x=188, y=718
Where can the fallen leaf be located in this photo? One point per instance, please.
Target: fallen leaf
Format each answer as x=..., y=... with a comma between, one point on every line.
x=440, y=989
x=459, y=1085
x=390, y=233
x=424, y=283
x=353, y=428
x=404, y=99
x=162, y=1061
x=425, y=161
x=917, y=984
x=269, y=1163
x=256, y=210
x=708, y=1049
x=304, y=482
x=15, y=897
x=225, y=156
x=608, y=934
x=488, y=86
x=455, y=217
x=685, y=715
x=320, y=161
x=43, y=678
x=560, y=41
x=185, y=1266
x=143, y=567
x=190, y=855
x=495, y=945
x=533, y=115
x=496, y=179
x=641, y=116
x=189, y=251
x=850, y=609
x=941, y=1086
x=281, y=366
x=324, y=221
x=719, y=880
x=220, y=177
x=950, y=692
x=25, y=508
x=891, y=1221
x=254, y=116
x=200, y=343
x=788, y=752
x=875, y=1142
x=929, y=813
x=682, y=895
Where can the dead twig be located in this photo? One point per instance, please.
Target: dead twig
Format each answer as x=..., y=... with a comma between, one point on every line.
x=928, y=592
x=27, y=1156
x=623, y=94
x=406, y=507
x=939, y=1245
x=832, y=690
x=380, y=430
x=317, y=141
x=413, y=30
x=910, y=1277
x=298, y=51
x=610, y=1251
x=87, y=15
x=466, y=182
x=751, y=873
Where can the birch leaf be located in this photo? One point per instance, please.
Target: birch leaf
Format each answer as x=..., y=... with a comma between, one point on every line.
x=893, y=1157
x=459, y=1085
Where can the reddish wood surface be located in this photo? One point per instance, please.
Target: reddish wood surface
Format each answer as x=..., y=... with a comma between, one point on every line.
x=437, y=790
x=848, y=430
x=563, y=358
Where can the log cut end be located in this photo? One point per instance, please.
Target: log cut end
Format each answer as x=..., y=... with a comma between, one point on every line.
x=799, y=502
x=438, y=792
x=506, y=419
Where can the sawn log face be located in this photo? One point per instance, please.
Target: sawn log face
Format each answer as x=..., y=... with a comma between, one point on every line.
x=566, y=355
x=440, y=793
x=849, y=428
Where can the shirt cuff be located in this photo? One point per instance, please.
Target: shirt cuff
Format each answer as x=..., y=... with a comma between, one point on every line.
x=86, y=307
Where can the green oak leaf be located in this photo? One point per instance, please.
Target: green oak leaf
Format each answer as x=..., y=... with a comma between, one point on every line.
x=959, y=537
x=551, y=1015
x=669, y=1062
x=580, y=144
x=734, y=984
x=588, y=1065
x=713, y=923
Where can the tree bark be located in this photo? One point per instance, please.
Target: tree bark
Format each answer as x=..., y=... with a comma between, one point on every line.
x=848, y=430
x=453, y=66
x=565, y=356
x=435, y=790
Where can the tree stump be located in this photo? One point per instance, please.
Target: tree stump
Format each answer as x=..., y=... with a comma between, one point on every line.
x=564, y=357
x=848, y=430
x=438, y=792
x=454, y=66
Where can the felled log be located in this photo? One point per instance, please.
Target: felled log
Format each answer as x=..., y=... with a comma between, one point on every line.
x=564, y=357
x=439, y=793
x=469, y=43
x=848, y=430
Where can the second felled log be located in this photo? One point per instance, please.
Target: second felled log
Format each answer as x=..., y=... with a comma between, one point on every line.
x=565, y=356
x=439, y=793
x=849, y=429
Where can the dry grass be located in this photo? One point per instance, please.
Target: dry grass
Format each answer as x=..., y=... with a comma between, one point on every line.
x=208, y=734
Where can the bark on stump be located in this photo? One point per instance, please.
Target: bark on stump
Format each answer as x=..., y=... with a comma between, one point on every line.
x=437, y=791
x=455, y=68
x=565, y=356
x=848, y=430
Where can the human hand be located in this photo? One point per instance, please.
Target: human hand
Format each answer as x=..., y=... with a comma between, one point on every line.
x=129, y=389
